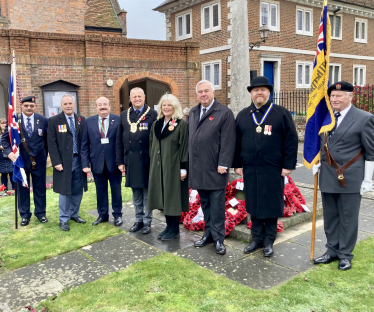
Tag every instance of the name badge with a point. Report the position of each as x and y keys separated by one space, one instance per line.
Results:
x=104 y=140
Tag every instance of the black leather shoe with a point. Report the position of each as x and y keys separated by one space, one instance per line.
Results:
x=220 y=248
x=100 y=220
x=252 y=247
x=137 y=226
x=25 y=221
x=324 y=259
x=78 y=219
x=118 y=221
x=146 y=229
x=204 y=241
x=345 y=264
x=268 y=250
x=43 y=219
x=64 y=226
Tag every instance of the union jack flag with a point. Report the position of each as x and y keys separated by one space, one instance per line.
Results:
x=19 y=175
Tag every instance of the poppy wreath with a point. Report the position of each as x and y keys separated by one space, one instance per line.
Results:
x=233 y=189
x=241 y=213
x=294 y=199
x=280 y=226
x=188 y=220
x=191 y=206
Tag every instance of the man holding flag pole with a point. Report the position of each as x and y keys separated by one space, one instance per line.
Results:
x=347 y=158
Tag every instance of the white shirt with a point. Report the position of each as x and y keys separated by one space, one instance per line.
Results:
x=207 y=108
x=24 y=117
x=106 y=124
x=68 y=119
x=342 y=115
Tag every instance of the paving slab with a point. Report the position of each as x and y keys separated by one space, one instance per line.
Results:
x=74 y=268
x=126 y=211
x=368 y=210
x=305 y=239
x=366 y=223
x=4 y=307
x=292 y=256
x=27 y=286
x=118 y=252
x=256 y=273
x=207 y=257
x=159 y=215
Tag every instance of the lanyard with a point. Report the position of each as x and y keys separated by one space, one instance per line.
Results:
x=263 y=117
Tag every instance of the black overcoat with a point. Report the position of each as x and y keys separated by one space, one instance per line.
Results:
x=263 y=157
x=60 y=147
x=132 y=149
x=211 y=144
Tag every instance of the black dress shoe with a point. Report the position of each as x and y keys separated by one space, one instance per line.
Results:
x=252 y=247
x=78 y=219
x=118 y=221
x=146 y=228
x=268 y=250
x=100 y=220
x=43 y=219
x=220 y=248
x=64 y=226
x=204 y=241
x=345 y=264
x=324 y=259
x=25 y=221
x=137 y=226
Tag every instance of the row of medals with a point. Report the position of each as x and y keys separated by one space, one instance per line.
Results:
x=267 y=129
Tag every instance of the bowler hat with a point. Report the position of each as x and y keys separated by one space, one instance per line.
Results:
x=260 y=81
x=340 y=86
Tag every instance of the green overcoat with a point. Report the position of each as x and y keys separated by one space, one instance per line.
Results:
x=168 y=151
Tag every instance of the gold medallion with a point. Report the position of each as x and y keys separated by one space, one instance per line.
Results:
x=171 y=128
x=133 y=127
x=258 y=129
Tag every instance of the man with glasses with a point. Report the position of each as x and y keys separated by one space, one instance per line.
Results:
x=34 y=151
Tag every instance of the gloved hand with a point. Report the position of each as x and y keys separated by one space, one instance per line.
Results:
x=367 y=184
x=315 y=168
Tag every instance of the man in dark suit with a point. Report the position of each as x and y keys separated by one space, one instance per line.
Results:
x=132 y=155
x=34 y=154
x=65 y=133
x=350 y=147
x=211 y=150
x=99 y=149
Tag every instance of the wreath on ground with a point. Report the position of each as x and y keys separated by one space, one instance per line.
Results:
x=280 y=226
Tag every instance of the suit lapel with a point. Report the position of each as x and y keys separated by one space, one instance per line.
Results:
x=77 y=124
x=110 y=125
x=213 y=108
x=343 y=127
x=96 y=125
x=63 y=121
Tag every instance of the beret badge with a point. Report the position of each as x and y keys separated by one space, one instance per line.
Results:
x=338 y=86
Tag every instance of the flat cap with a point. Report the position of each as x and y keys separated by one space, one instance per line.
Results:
x=340 y=86
x=30 y=98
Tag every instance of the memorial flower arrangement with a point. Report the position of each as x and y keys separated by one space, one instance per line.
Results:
x=280 y=226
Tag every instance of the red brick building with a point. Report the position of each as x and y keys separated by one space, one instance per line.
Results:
x=80 y=47
x=288 y=54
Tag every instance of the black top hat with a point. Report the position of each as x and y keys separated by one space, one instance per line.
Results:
x=340 y=86
x=260 y=81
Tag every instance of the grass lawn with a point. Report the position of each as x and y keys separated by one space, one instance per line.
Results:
x=37 y=241
x=170 y=283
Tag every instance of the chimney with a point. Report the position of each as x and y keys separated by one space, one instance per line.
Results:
x=122 y=17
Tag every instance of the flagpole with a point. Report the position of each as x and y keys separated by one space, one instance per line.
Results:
x=15 y=207
x=314 y=217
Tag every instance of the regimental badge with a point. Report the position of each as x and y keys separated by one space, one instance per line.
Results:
x=37 y=121
x=40 y=132
x=338 y=86
x=112 y=122
x=32 y=99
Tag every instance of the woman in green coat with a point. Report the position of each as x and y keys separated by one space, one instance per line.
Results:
x=168 y=144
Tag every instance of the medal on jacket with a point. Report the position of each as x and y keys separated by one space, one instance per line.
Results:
x=259 y=128
x=134 y=126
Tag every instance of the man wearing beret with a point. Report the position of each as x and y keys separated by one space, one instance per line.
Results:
x=265 y=153
x=347 y=165
x=34 y=153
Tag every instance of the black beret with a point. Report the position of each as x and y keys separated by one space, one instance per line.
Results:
x=340 y=86
x=30 y=98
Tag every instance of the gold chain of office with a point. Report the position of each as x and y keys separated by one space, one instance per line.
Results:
x=134 y=125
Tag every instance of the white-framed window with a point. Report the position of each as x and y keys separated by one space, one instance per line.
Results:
x=336 y=21
x=211 y=71
x=183 y=25
x=359 y=75
x=334 y=73
x=361 y=30
x=210 y=17
x=303 y=74
x=269 y=14
x=304 y=21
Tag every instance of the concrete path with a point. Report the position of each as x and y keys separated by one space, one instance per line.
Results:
x=37 y=282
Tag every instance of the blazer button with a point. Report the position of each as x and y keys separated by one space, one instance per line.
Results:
x=68 y=137
x=140 y=141
x=130 y=152
x=158 y=152
x=129 y=141
x=337 y=151
x=140 y=152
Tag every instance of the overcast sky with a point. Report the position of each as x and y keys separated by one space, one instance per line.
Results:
x=142 y=22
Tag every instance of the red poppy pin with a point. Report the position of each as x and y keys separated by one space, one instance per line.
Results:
x=173 y=122
x=79 y=120
x=211 y=118
x=143 y=118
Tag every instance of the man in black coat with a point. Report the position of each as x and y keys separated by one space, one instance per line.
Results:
x=211 y=150
x=33 y=129
x=266 y=152
x=99 y=149
x=132 y=155
x=65 y=133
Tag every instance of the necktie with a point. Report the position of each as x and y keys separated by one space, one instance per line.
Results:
x=72 y=128
x=103 y=127
x=204 y=111
x=137 y=112
x=29 y=127
x=336 y=115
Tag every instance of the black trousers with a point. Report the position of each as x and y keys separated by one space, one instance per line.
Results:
x=101 y=182
x=264 y=230
x=213 y=206
x=4 y=180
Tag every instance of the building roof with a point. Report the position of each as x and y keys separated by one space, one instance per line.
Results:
x=102 y=13
x=365 y=3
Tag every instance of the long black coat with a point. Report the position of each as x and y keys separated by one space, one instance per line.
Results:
x=60 y=147
x=263 y=157
x=132 y=149
x=211 y=144
x=5 y=162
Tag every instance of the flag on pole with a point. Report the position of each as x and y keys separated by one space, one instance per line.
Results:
x=320 y=117
x=19 y=175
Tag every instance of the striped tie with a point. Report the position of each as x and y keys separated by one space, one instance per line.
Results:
x=72 y=128
x=29 y=127
x=103 y=127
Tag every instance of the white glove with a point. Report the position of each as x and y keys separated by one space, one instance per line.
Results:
x=315 y=168
x=367 y=184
